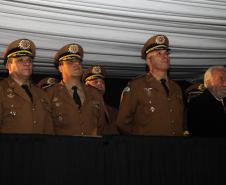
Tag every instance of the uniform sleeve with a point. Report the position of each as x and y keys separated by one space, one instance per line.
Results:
x=127 y=110
x=49 y=127
x=101 y=119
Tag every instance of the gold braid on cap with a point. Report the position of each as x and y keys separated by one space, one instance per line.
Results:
x=69 y=57
x=92 y=77
x=158 y=46
x=20 y=53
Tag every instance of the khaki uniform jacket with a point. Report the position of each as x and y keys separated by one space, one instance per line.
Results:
x=69 y=119
x=146 y=110
x=110 y=120
x=17 y=112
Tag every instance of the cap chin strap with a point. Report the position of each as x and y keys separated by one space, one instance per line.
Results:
x=156 y=47
x=20 y=53
x=70 y=57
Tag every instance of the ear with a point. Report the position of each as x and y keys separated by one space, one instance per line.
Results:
x=208 y=83
x=148 y=60
x=148 y=63
x=8 y=64
x=60 y=68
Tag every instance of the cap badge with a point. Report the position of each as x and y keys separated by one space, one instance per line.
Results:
x=73 y=48
x=24 y=44
x=96 y=70
x=51 y=81
x=160 y=39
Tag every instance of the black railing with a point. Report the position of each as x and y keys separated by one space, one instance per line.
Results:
x=112 y=160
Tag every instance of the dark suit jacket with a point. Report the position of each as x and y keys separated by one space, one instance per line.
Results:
x=206 y=116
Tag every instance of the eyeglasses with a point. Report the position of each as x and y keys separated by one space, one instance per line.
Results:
x=21 y=60
x=70 y=62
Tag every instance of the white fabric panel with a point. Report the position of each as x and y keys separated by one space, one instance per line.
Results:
x=112 y=32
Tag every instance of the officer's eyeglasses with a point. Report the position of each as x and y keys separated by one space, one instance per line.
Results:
x=21 y=60
x=70 y=62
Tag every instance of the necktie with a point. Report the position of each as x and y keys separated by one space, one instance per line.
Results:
x=163 y=82
x=25 y=87
x=76 y=96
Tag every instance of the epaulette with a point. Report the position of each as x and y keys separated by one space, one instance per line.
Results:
x=127 y=88
x=139 y=76
x=195 y=92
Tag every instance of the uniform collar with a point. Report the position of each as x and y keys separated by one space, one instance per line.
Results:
x=15 y=87
x=62 y=83
x=12 y=83
x=150 y=76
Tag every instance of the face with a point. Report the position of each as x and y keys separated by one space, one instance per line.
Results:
x=70 y=69
x=158 y=60
x=98 y=83
x=219 y=83
x=20 y=67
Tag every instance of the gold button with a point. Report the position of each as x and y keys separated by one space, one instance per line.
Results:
x=82 y=133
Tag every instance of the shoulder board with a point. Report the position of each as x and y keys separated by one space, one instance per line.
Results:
x=140 y=76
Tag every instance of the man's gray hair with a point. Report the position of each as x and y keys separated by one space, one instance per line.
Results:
x=209 y=74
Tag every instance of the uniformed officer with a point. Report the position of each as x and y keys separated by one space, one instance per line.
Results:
x=152 y=104
x=24 y=108
x=95 y=76
x=77 y=109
